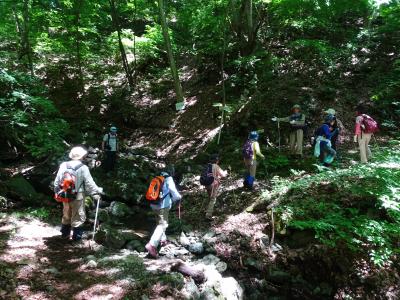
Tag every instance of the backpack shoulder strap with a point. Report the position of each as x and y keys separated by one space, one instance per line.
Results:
x=78 y=166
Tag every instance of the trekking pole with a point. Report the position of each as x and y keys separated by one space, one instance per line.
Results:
x=95 y=218
x=279 y=136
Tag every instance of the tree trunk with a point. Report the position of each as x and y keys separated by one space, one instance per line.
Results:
x=174 y=70
x=115 y=18
x=19 y=30
x=25 y=36
x=77 y=6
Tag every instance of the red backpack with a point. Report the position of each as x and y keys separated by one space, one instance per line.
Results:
x=369 y=125
x=67 y=189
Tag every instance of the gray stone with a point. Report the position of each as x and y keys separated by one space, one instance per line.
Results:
x=135 y=245
x=231 y=289
x=183 y=240
x=115 y=238
x=103 y=215
x=3 y=202
x=196 y=248
x=22 y=188
x=190 y=291
x=91 y=264
x=221 y=266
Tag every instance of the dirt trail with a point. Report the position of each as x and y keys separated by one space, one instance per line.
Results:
x=46 y=267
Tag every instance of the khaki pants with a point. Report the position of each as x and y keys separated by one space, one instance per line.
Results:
x=159 y=232
x=296 y=142
x=251 y=166
x=74 y=212
x=212 y=191
x=363 y=143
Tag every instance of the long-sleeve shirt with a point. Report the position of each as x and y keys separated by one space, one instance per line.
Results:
x=257 y=151
x=324 y=131
x=294 y=120
x=358 y=128
x=218 y=173
x=170 y=195
x=84 y=180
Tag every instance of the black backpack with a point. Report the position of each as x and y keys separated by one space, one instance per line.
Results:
x=207 y=177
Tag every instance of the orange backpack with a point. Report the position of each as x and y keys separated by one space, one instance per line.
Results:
x=155 y=189
x=67 y=191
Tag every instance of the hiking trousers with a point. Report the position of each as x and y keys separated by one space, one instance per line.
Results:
x=212 y=191
x=296 y=141
x=159 y=233
x=363 y=143
x=74 y=212
x=110 y=160
x=251 y=166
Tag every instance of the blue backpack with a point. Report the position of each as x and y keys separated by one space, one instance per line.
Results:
x=207 y=177
x=248 y=150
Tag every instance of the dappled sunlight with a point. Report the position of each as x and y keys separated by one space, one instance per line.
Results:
x=104 y=291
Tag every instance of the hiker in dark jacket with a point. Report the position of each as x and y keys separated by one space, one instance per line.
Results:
x=74 y=215
x=337 y=124
x=162 y=209
x=251 y=150
x=323 y=146
x=110 y=147
x=212 y=189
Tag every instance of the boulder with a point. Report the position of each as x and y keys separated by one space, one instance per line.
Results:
x=135 y=245
x=217 y=287
x=196 y=248
x=183 y=240
x=190 y=291
x=3 y=202
x=115 y=238
x=215 y=262
x=22 y=188
x=119 y=209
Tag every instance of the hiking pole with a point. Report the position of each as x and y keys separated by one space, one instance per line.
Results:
x=279 y=136
x=95 y=217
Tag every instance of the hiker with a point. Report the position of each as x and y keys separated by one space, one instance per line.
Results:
x=211 y=179
x=323 y=145
x=297 y=122
x=75 y=172
x=251 y=150
x=335 y=138
x=165 y=195
x=110 y=146
x=364 y=130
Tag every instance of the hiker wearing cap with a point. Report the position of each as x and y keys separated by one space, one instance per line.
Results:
x=74 y=210
x=364 y=130
x=337 y=124
x=168 y=196
x=251 y=150
x=110 y=146
x=213 y=174
x=323 y=146
x=297 y=121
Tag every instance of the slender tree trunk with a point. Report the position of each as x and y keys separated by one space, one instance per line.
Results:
x=25 y=37
x=115 y=18
x=167 y=41
x=134 y=46
x=223 y=82
x=249 y=15
x=19 y=30
x=77 y=6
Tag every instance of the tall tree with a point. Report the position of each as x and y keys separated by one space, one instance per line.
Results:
x=117 y=25
x=77 y=10
x=168 y=46
x=27 y=49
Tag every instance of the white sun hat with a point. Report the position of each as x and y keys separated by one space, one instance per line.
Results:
x=77 y=153
x=331 y=111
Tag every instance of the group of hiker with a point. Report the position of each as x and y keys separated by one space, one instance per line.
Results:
x=74 y=181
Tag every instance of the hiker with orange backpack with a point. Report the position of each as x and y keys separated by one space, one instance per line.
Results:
x=161 y=195
x=251 y=150
x=364 y=130
x=73 y=182
x=211 y=180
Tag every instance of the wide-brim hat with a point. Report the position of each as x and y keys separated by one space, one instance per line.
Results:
x=330 y=111
x=296 y=106
x=77 y=153
x=113 y=129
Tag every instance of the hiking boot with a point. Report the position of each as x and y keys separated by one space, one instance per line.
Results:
x=77 y=233
x=65 y=231
x=152 y=250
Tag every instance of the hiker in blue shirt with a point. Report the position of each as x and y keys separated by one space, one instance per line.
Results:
x=110 y=146
x=162 y=209
x=323 y=146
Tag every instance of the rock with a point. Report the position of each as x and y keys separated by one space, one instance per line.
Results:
x=212 y=260
x=231 y=289
x=278 y=276
x=91 y=264
x=22 y=188
x=276 y=248
x=216 y=287
x=135 y=245
x=221 y=266
x=183 y=240
x=3 y=202
x=196 y=248
x=190 y=291
x=119 y=209
x=209 y=238
x=90 y=257
x=53 y=271
x=115 y=238
x=103 y=215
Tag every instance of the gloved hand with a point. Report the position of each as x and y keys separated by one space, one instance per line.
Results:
x=355 y=139
x=96 y=197
x=274 y=119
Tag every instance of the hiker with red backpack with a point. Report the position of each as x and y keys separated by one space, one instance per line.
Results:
x=211 y=180
x=364 y=130
x=161 y=195
x=73 y=182
x=251 y=150
x=110 y=147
